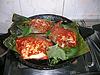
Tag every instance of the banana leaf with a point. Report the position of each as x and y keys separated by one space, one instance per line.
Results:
x=82 y=45
x=20 y=28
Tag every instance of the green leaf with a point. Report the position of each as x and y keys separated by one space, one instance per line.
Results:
x=10 y=42
x=20 y=25
x=56 y=53
x=53 y=61
x=72 y=52
x=48 y=33
x=26 y=30
x=48 y=19
x=20 y=28
x=83 y=46
x=73 y=26
x=17 y=18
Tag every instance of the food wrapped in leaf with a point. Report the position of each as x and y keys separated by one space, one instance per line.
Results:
x=40 y=25
x=32 y=47
x=23 y=25
x=63 y=37
x=61 y=41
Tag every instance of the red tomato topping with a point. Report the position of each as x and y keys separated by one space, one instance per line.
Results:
x=64 y=37
x=30 y=47
x=41 y=25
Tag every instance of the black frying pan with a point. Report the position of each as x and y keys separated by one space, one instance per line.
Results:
x=43 y=64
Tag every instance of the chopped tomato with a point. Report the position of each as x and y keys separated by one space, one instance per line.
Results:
x=41 y=25
x=32 y=48
x=64 y=37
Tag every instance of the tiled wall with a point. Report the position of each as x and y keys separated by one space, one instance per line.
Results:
x=72 y=9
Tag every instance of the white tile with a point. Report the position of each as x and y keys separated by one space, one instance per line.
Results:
x=26 y=8
x=82 y=9
x=7 y=8
x=33 y=7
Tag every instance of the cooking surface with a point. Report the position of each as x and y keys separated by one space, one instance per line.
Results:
x=85 y=64
x=14 y=67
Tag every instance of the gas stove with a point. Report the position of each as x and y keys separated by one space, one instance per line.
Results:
x=85 y=64
x=88 y=64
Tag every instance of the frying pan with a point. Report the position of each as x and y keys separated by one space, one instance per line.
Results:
x=43 y=64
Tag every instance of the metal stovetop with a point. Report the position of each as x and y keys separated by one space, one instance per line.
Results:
x=88 y=64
